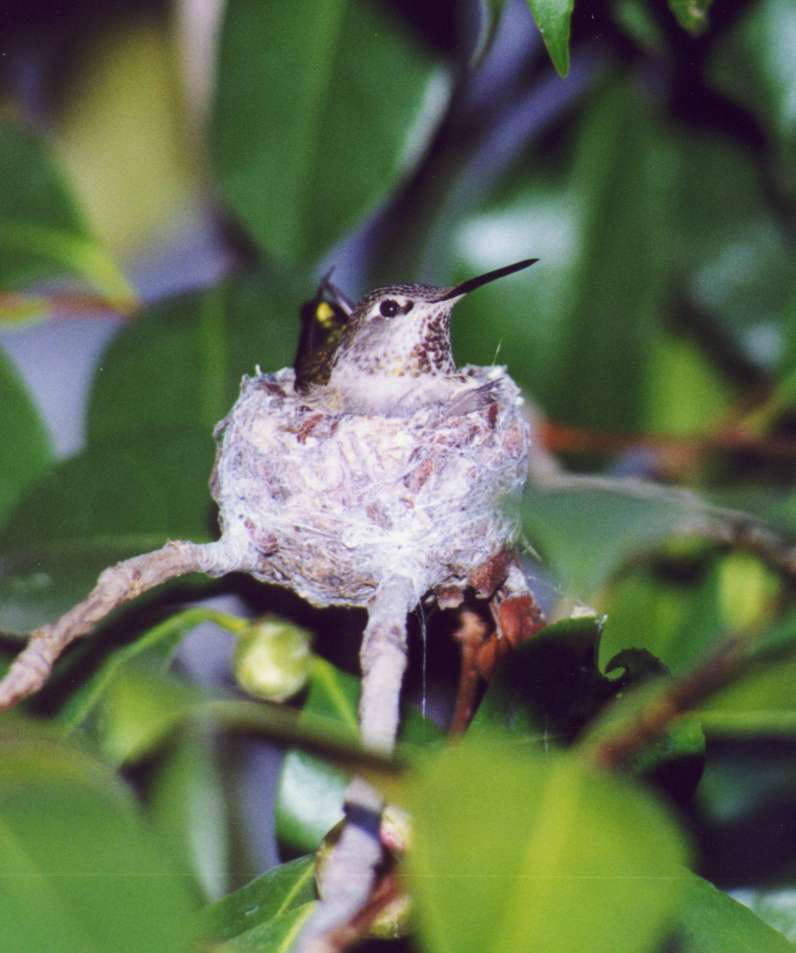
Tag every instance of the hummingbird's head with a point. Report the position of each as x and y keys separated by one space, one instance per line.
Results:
x=404 y=330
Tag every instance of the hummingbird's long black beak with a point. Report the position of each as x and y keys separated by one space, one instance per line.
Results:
x=472 y=283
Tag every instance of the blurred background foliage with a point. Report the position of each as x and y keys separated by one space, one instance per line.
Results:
x=174 y=177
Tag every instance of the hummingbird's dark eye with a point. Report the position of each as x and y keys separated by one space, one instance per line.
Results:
x=389 y=308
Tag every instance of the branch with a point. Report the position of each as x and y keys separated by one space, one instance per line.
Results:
x=350 y=874
x=116 y=585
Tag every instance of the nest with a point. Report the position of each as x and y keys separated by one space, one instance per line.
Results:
x=333 y=504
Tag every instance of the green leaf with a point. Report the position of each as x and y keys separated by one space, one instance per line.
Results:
x=41 y=230
x=712 y=922
x=762 y=701
x=577 y=329
x=311 y=791
x=25 y=449
x=187 y=808
x=692 y=15
x=733 y=257
x=538 y=853
x=587 y=528
x=179 y=365
x=273 y=936
x=552 y=18
x=316 y=110
x=754 y=64
x=106 y=504
x=152 y=651
x=491 y=12
x=285 y=887
x=80 y=871
x=775 y=906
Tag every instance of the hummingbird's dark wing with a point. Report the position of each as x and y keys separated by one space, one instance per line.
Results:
x=323 y=319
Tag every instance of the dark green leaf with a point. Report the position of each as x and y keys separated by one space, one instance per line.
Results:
x=179 y=365
x=538 y=854
x=692 y=15
x=271 y=895
x=552 y=18
x=316 y=108
x=546 y=688
x=754 y=64
x=25 y=448
x=41 y=230
x=712 y=922
x=80 y=871
x=310 y=796
x=106 y=504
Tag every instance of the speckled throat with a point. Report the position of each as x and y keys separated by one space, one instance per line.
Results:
x=403 y=348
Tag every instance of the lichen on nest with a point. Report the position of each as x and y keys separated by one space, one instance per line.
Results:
x=332 y=504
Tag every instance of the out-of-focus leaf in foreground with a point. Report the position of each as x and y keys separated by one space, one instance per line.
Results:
x=514 y=852
x=317 y=105
x=80 y=872
x=42 y=233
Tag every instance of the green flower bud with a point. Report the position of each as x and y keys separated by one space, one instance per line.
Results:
x=273 y=659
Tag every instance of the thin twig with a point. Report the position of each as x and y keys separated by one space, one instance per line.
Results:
x=116 y=585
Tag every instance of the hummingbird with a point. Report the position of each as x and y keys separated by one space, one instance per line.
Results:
x=392 y=354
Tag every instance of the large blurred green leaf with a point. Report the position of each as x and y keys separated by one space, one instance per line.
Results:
x=25 y=448
x=317 y=105
x=533 y=853
x=580 y=341
x=270 y=895
x=712 y=922
x=552 y=18
x=732 y=253
x=587 y=528
x=106 y=504
x=179 y=365
x=41 y=230
x=80 y=872
x=311 y=790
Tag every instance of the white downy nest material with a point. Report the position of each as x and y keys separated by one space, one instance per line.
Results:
x=331 y=504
